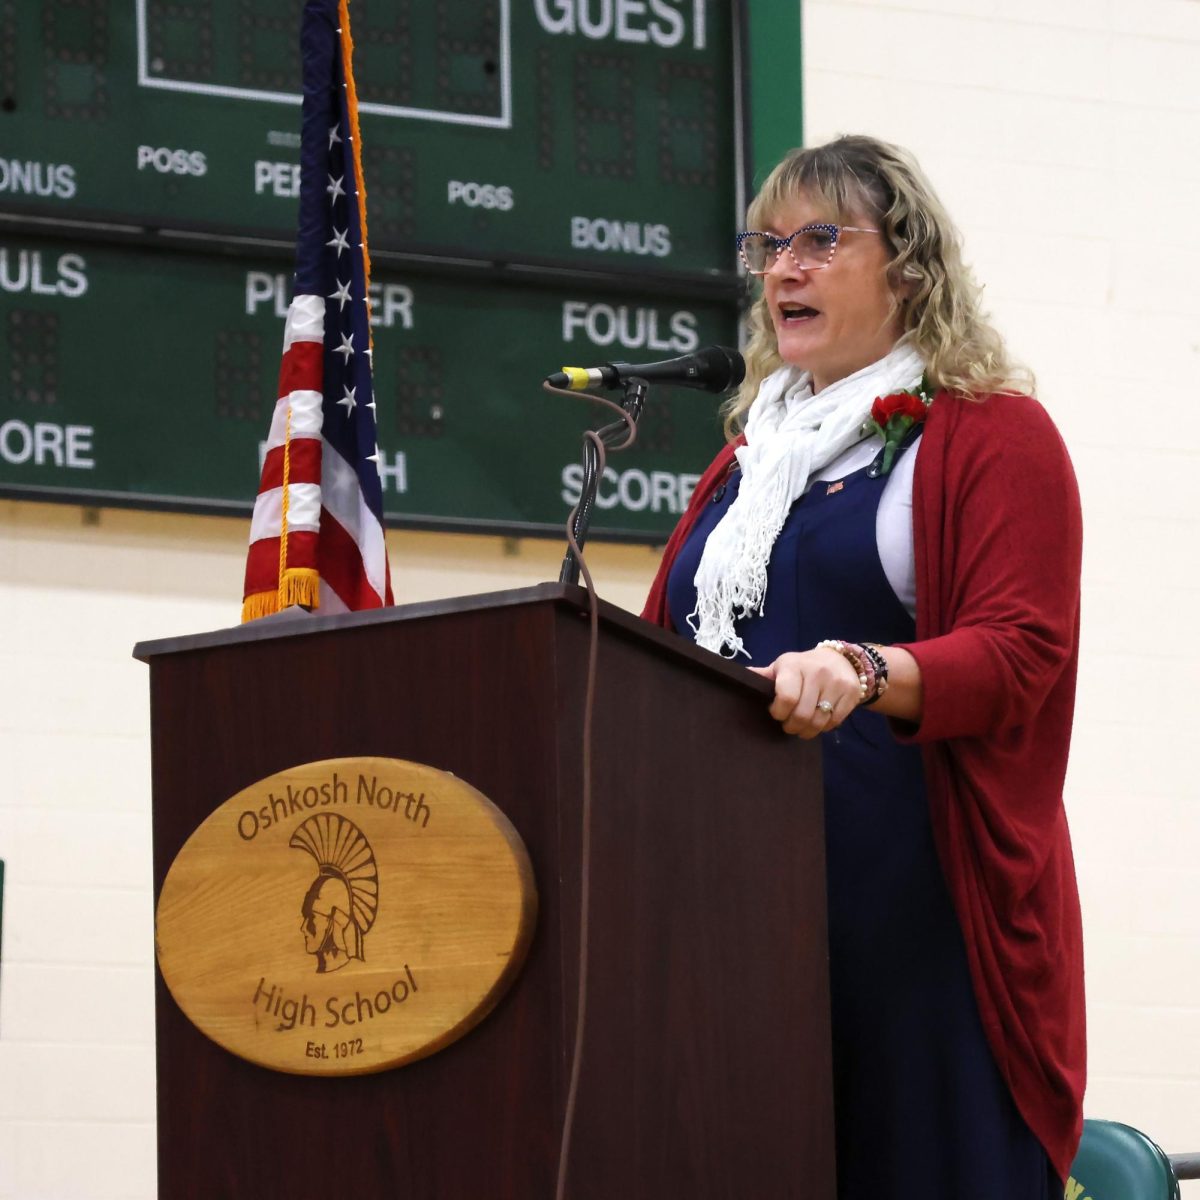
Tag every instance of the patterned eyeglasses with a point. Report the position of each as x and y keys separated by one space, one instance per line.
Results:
x=811 y=247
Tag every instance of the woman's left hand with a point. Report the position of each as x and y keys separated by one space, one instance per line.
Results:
x=815 y=691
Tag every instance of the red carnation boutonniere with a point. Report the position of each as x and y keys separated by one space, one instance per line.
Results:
x=892 y=416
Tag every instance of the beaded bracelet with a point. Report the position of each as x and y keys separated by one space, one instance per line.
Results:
x=854 y=655
x=875 y=654
x=869 y=665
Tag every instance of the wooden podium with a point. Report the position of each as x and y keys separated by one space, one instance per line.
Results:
x=706 y=1069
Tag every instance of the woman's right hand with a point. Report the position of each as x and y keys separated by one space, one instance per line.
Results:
x=805 y=682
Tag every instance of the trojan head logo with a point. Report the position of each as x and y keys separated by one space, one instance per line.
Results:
x=339 y=907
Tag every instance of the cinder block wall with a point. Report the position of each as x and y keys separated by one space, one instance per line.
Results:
x=77 y=590
x=1065 y=137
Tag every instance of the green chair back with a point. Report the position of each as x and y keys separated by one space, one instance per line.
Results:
x=1116 y=1162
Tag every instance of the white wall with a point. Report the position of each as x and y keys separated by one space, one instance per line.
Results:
x=76 y=982
x=1064 y=136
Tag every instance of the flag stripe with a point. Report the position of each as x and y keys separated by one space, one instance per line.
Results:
x=305 y=321
x=344 y=501
x=331 y=602
x=342 y=569
x=302 y=368
x=304 y=467
x=306 y=413
x=304 y=511
x=262 y=562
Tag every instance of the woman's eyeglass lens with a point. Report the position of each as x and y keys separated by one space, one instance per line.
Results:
x=811 y=248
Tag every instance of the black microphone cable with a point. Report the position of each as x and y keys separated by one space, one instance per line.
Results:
x=585 y=870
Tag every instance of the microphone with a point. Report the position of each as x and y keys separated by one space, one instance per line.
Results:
x=712 y=369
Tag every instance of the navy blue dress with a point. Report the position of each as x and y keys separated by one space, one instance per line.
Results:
x=921 y=1109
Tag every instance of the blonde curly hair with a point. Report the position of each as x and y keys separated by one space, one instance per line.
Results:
x=858 y=177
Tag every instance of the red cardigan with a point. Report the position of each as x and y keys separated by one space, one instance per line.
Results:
x=997 y=539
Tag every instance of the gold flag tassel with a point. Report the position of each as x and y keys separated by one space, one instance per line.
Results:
x=261 y=604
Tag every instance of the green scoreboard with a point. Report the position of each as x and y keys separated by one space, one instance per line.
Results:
x=549 y=182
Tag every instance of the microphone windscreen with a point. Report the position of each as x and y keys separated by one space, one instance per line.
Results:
x=720 y=368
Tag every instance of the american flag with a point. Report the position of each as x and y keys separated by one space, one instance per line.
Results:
x=316 y=537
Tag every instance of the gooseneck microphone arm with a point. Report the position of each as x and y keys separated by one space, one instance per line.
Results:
x=710 y=369
x=611 y=435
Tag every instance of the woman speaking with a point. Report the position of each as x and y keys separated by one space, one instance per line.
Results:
x=892 y=536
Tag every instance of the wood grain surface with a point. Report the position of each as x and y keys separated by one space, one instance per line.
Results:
x=706 y=1061
x=345 y=916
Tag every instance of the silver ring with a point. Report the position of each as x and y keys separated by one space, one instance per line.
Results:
x=825 y=706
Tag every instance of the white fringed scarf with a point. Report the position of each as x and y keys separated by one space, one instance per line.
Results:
x=790 y=435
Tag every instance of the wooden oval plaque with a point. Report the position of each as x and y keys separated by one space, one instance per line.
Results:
x=346 y=916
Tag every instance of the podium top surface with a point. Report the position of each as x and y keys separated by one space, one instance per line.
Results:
x=296 y=622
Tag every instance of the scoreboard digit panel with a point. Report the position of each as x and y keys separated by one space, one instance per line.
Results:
x=591 y=133
x=149 y=377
